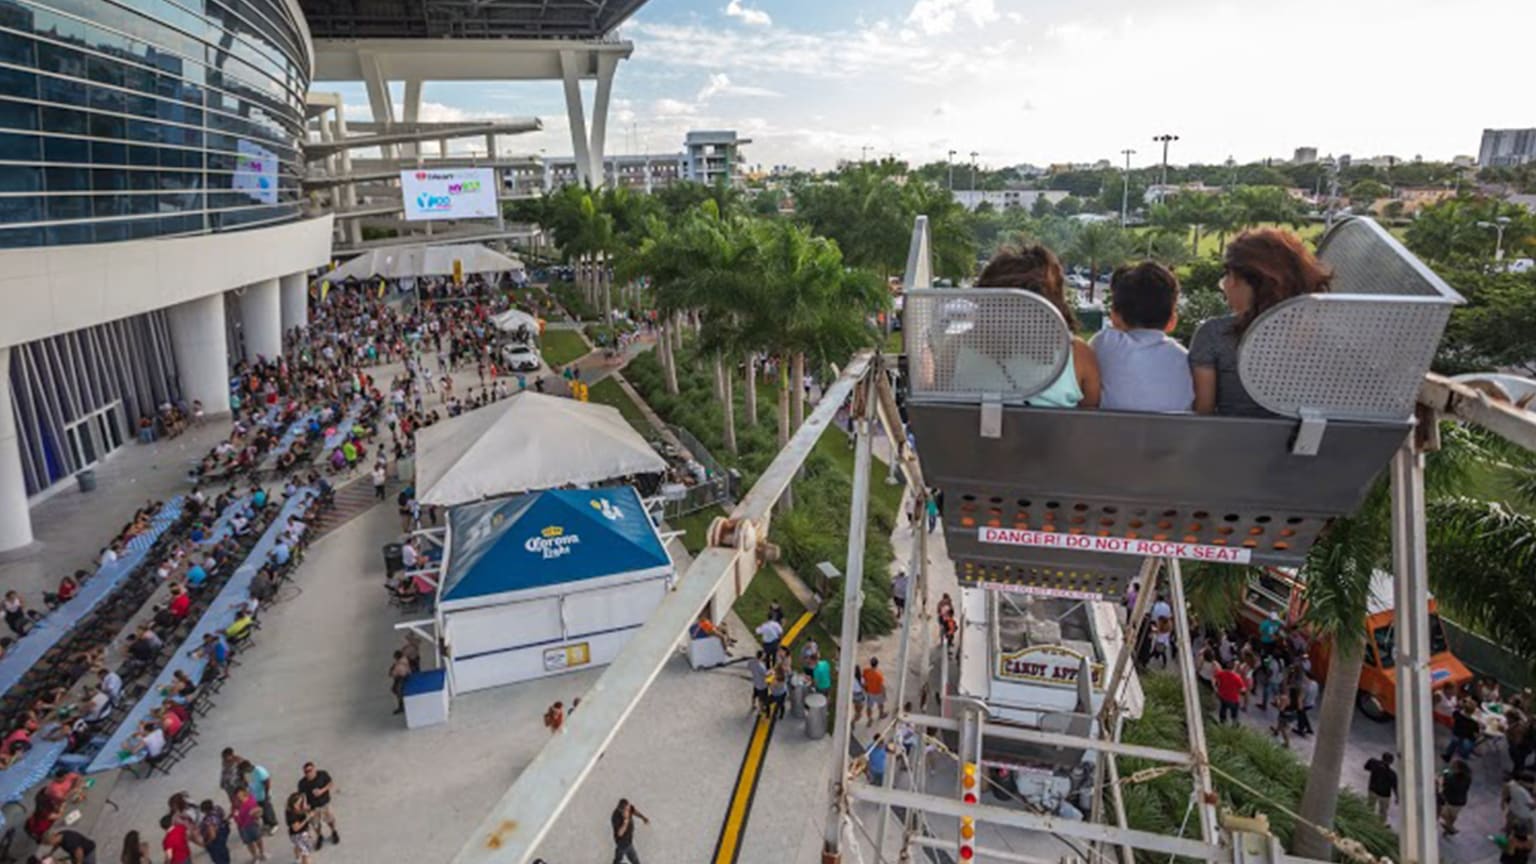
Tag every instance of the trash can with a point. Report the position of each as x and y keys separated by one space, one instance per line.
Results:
x=394 y=559
x=815 y=716
x=405 y=469
x=87 y=480
x=798 y=684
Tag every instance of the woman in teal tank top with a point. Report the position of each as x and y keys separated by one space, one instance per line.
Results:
x=1036 y=269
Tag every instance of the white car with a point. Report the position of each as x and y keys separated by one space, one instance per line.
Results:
x=521 y=358
x=1077 y=281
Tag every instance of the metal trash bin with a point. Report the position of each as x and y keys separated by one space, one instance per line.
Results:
x=798 y=684
x=815 y=716
x=394 y=558
x=86 y=480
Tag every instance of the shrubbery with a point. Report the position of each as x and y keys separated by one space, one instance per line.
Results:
x=816 y=529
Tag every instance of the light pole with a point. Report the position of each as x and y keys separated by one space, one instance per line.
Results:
x=864 y=154
x=950 y=159
x=1498 y=224
x=1165 y=139
x=974 y=154
x=1125 y=194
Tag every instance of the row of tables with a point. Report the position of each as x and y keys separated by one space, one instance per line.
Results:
x=47 y=631
x=216 y=618
x=36 y=764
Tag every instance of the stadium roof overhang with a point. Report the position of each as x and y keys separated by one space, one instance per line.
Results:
x=466 y=19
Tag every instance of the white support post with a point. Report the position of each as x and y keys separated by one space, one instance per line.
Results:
x=914 y=575
x=261 y=314
x=853 y=594
x=294 y=301
x=1418 y=833
x=15 y=514
x=1194 y=718
x=607 y=64
x=570 y=73
x=346 y=193
x=202 y=351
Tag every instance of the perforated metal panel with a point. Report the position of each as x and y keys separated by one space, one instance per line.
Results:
x=1367 y=259
x=1360 y=351
x=1342 y=357
x=963 y=344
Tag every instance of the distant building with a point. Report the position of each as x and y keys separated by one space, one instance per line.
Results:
x=713 y=155
x=641 y=171
x=1157 y=192
x=1304 y=156
x=1003 y=199
x=1506 y=147
x=1464 y=161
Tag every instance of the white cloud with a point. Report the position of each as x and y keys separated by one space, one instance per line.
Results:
x=673 y=108
x=748 y=15
x=937 y=17
x=720 y=83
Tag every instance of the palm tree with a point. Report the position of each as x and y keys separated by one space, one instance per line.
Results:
x=1099 y=243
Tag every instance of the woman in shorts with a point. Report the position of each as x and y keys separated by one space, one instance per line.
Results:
x=297 y=818
x=247 y=816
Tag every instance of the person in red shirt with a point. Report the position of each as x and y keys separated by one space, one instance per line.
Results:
x=874 y=689
x=176 y=845
x=181 y=602
x=1229 y=690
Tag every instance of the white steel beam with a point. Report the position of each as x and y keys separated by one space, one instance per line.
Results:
x=1056 y=739
x=607 y=65
x=1194 y=717
x=992 y=814
x=1418 y=838
x=570 y=70
x=516 y=824
x=1445 y=396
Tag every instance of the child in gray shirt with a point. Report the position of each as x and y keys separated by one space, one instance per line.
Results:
x=1141 y=367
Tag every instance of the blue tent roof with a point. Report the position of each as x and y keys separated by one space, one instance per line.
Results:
x=549 y=538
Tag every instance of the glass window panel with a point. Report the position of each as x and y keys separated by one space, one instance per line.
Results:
x=107 y=99
x=104 y=70
x=108 y=126
x=61 y=90
x=143 y=179
x=18 y=83
x=15 y=48
x=67 y=206
x=56 y=58
x=16 y=238
x=108 y=232
x=108 y=179
x=109 y=205
x=18 y=115
x=66 y=150
x=67 y=179
x=14 y=178
x=22 y=208
x=143 y=155
x=20 y=148
x=67 y=235
x=64 y=120
x=108 y=153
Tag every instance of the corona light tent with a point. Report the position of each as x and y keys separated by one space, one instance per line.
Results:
x=546 y=582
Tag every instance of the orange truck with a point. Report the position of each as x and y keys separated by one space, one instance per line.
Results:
x=1281 y=593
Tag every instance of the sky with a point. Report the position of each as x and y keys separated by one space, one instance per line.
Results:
x=811 y=82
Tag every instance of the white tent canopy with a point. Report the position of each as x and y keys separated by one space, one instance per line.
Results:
x=530 y=441
x=403 y=262
x=512 y=319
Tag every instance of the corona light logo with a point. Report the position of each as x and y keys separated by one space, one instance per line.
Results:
x=552 y=542
x=421 y=175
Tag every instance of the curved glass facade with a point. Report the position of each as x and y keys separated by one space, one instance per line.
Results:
x=126 y=119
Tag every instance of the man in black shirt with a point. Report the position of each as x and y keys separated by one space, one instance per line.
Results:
x=624 y=817
x=317 y=787
x=1382 y=787
x=79 y=848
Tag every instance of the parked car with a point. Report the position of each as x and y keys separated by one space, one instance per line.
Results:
x=521 y=358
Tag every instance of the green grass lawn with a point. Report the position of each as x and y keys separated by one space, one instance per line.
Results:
x=695 y=525
x=893 y=342
x=883 y=496
x=608 y=392
x=560 y=347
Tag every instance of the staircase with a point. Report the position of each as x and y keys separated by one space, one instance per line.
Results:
x=352 y=499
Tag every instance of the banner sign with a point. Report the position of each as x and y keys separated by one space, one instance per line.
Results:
x=1047 y=664
x=255 y=172
x=1115 y=545
x=567 y=656
x=1040 y=590
x=456 y=193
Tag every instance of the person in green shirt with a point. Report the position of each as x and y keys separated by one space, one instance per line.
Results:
x=821 y=676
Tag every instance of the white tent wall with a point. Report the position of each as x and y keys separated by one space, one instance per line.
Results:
x=401 y=262
x=597 y=624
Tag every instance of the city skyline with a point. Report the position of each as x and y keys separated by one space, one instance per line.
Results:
x=813 y=84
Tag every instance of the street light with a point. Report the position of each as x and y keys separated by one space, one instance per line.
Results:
x=1498 y=224
x=864 y=153
x=974 y=154
x=1165 y=139
x=1125 y=195
x=950 y=160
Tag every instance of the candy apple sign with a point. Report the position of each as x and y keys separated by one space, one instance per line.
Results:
x=457 y=193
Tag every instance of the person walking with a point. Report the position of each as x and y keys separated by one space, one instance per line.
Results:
x=899 y=593
x=229 y=774
x=298 y=818
x=1455 y=784
x=1308 y=702
x=874 y=690
x=77 y=848
x=258 y=782
x=213 y=830
x=778 y=690
x=317 y=787
x=758 y=669
x=399 y=670
x=623 y=820
x=1230 y=687
x=1464 y=731
x=380 y=477
x=135 y=850
x=1382 y=786
x=247 y=816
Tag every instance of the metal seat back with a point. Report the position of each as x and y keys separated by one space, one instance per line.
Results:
x=1360 y=351
x=975 y=344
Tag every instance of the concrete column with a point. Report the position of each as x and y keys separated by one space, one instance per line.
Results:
x=411 y=113
x=379 y=101
x=202 y=354
x=15 y=515
x=570 y=71
x=295 y=301
x=346 y=194
x=261 y=311
x=607 y=64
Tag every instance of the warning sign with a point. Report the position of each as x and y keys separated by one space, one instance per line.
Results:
x=1115 y=545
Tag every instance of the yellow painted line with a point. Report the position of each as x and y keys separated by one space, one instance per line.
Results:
x=728 y=847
